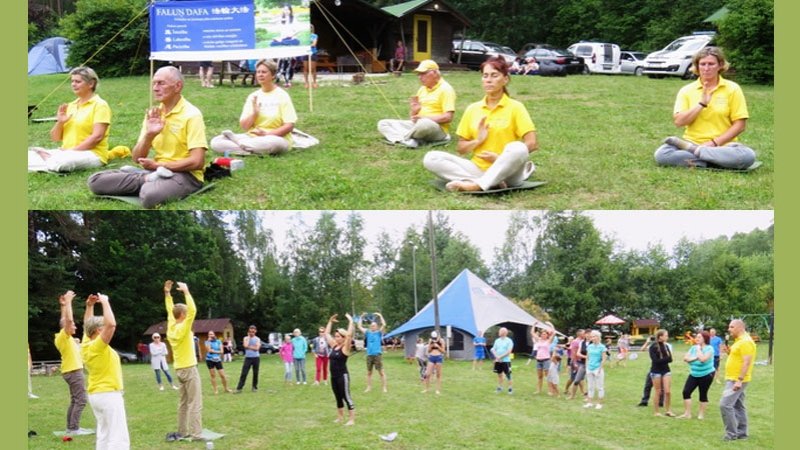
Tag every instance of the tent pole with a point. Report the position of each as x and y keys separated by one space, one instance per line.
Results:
x=434 y=282
x=310 y=85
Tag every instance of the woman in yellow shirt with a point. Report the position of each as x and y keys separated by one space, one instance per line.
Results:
x=714 y=112
x=82 y=127
x=499 y=134
x=105 y=376
x=268 y=116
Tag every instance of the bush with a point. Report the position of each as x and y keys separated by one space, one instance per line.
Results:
x=93 y=27
x=748 y=35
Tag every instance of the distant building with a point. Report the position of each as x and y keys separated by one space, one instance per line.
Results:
x=222 y=327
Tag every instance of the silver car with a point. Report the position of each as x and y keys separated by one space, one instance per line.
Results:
x=632 y=62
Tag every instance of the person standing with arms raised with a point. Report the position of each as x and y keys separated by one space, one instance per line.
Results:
x=71 y=366
x=180 y=318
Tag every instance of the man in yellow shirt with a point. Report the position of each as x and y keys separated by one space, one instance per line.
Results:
x=180 y=318
x=738 y=372
x=71 y=366
x=431 y=111
x=176 y=132
x=105 y=376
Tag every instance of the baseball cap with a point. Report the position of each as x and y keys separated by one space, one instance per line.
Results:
x=427 y=65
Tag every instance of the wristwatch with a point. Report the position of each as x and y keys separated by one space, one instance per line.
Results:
x=740 y=378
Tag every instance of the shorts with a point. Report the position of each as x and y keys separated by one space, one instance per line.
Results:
x=480 y=353
x=502 y=367
x=206 y=64
x=580 y=374
x=716 y=363
x=654 y=375
x=214 y=365
x=543 y=364
x=375 y=361
x=435 y=359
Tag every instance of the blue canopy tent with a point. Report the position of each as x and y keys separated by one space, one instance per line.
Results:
x=49 y=56
x=468 y=304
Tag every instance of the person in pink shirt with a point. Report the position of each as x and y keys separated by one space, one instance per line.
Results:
x=286 y=351
x=541 y=348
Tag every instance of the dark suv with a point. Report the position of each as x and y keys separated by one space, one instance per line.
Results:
x=474 y=53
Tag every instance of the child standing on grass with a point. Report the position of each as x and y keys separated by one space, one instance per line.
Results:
x=286 y=351
x=553 y=376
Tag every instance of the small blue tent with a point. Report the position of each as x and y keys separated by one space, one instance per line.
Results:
x=468 y=305
x=48 y=56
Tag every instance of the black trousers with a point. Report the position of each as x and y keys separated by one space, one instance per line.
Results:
x=248 y=363
x=648 y=386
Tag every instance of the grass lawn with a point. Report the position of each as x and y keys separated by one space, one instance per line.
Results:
x=468 y=414
x=597 y=136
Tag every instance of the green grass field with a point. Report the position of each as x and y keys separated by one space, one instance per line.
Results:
x=597 y=137
x=467 y=415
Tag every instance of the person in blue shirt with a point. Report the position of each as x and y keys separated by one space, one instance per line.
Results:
x=374 y=339
x=701 y=374
x=502 y=350
x=479 y=342
x=214 y=362
x=595 y=360
x=300 y=345
x=252 y=346
x=715 y=344
x=310 y=64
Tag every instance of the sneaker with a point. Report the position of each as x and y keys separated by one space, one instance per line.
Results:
x=84 y=431
x=238 y=391
x=642 y=404
x=499 y=389
x=255 y=389
x=161 y=388
x=297 y=382
x=728 y=438
x=437 y=392
x=304 y=382
x=316 y=383
x=510 y=391
x=598 y=406
x=588 y=405
x=174 y=387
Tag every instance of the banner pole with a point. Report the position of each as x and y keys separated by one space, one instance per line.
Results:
x=310 y=85
x=150 y=85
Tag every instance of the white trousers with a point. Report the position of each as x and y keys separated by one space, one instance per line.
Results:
x=596 y=380
x=243 y=144
x=62 y=160
x=112 y=425
x=425 y=130
x=512 y=166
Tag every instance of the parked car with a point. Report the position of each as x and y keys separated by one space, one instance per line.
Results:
x=632 y=62
x=530 y=46
x=126 y=357
x=598 y=57
x=571 y=63
x=676 y=58
x=474 y=53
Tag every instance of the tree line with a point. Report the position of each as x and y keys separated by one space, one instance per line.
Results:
x=556 y=265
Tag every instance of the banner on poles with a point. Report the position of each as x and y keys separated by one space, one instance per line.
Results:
x=219 y=30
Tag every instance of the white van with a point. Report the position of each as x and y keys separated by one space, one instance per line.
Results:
x=676 y=58
x=599 y=57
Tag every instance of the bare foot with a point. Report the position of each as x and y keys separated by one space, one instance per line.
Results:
x=350 y=422
x=462 y=186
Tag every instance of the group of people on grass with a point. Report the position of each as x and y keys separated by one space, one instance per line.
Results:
x=586 y=358
x=495 y=134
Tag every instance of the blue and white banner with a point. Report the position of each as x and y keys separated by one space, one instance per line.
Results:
x=219 y=30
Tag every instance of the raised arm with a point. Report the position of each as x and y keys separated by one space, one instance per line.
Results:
x=328 y=337
x=65 y=301
x=383 y=322
x=348 y=340
x=192 y=308
x=109 y=322
x=90 y=301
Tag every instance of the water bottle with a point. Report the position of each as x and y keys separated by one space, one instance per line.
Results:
x=209 y=445
x=236 y=164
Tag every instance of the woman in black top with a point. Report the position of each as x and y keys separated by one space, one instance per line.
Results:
x=339 y=344
x=660 y=357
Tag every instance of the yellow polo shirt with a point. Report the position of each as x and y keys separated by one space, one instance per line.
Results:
x=508 y=122
x=727 y=105
x=743 y=346
x=81 y=124
x=275 y=108
x=184 y=129
x=180 y=335
x=102 y=363
x=70 y=352
x=437 y=100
